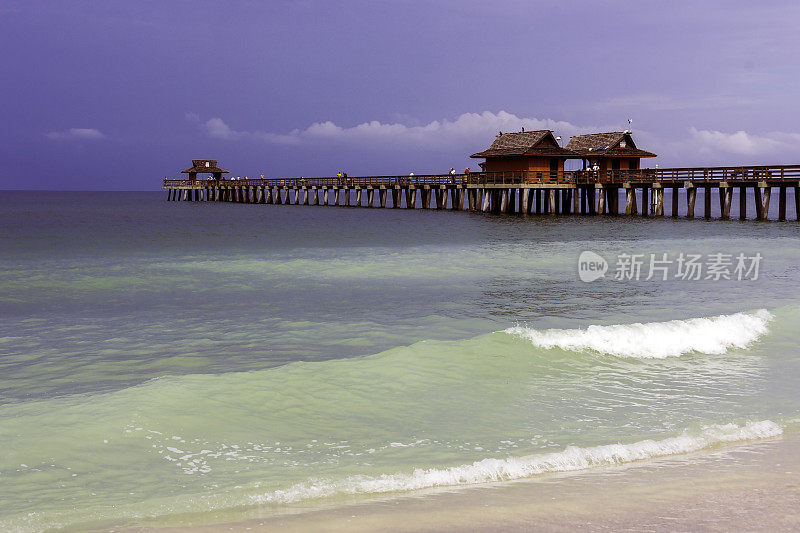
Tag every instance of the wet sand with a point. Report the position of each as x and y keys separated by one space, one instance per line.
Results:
x=747 y=487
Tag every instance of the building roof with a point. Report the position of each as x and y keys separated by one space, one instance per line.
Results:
x=539 y=142
x=606 y=145
x=204 y=166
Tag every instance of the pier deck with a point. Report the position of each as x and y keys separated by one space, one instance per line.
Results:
x=616 y=192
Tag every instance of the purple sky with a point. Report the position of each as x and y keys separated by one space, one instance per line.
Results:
x=117 y=94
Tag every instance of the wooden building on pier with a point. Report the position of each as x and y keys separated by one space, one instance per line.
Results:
x=607 y=151
x=531 y=151
x=204 y=166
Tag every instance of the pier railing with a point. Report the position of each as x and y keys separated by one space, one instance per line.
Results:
x=579 y=177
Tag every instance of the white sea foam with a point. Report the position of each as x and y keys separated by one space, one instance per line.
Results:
x=492 y=470
x=712 y=335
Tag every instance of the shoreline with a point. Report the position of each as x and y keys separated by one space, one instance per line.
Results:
x=747 y=486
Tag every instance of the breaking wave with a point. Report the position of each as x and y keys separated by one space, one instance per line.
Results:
x=492 y=470
x=712 y=335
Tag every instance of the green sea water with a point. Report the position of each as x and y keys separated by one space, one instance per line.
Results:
x=164 y=363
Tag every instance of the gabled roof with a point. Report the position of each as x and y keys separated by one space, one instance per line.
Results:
x=606 y=145
x=204 y=166
x=539 y=142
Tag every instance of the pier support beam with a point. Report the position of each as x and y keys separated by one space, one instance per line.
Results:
x=523 y=202
x=631 y=208
x=576 y=201
x=765 y=210
x=529 y=207
x=796 y=203
x=382 y=197
x=675 y=201
x=782 y=203
x=759 y=202
x=601 y=202
x=725 y=197
x=504 y=201
x=395 y=198
x=426 y=198
x=707 y=202
x=742 y=203
x=455 y=199
x=358 y=197
x=441 y=199
x=411 y=198
x=691 y=196
x=485 y=201
x=660 y=202
x=645 y=201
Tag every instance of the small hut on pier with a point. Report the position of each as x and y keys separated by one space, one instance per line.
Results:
x=204 y=166
x=536 y=151
x=609 y=151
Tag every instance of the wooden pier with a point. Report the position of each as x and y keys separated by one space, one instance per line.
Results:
x=607 y=192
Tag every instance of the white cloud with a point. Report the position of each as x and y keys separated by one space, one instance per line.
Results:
x=217 y=129
x=90 y=134
x=703 y=147
x=742 y=143
x=467 y=128
x=474 y=131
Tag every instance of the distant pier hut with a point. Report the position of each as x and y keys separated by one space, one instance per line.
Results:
x=525 y=153
x=198 y=193
x=204 y=166
x=608 y=151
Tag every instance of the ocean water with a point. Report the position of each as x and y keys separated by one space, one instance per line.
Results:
x=165 y=363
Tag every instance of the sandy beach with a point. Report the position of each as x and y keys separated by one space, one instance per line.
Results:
x=747 y=487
